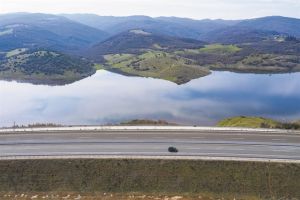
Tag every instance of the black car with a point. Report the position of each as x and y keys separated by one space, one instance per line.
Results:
x=173 y=149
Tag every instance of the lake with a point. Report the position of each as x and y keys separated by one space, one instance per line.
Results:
x=111 y=98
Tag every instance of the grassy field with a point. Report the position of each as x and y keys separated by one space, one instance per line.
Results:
x=219 y=179
x=220 y=49
x=157 y=64
x=15 y=52
x=98 y=66
x=211 y=49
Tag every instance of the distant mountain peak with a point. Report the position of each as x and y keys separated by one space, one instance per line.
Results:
x=32 y=30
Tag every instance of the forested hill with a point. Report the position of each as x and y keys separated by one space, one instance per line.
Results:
x=44 y=67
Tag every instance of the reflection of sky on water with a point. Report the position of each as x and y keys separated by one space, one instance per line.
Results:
x=109 y=98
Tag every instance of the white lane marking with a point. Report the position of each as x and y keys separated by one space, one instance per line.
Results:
x=194 y=148
x=243 y=154
x=281 y=150
x=160 y=157
x=198 y=137
x=238 y=138
x=202 y=148
x=122 y=137
x=31 y=148
x=159 y=137
x=86 y=137
x=149 y=153
x=218 y=148
x=275 y=139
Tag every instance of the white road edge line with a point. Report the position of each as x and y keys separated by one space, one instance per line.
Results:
x=152 y=157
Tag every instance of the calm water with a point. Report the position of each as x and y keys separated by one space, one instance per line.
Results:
x=110 y=98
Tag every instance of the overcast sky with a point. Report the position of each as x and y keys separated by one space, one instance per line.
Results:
x=198 y=9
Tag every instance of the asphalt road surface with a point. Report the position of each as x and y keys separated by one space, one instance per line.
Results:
x=218 y=144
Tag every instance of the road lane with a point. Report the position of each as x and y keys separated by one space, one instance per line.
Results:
x=153 y=143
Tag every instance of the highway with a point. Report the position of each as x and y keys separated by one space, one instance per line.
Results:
x=191 y=143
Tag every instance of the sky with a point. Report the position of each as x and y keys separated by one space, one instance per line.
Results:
x=197 y=9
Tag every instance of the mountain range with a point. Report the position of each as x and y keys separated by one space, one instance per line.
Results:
x=187 y=28
x=74 y=32
x=137 y=45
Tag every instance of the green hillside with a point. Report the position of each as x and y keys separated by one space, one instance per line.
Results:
x=263 y=57
x=249 y=122
x=258 y=122
x=156 y=64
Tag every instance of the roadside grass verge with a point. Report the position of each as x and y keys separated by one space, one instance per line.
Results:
x=258 y=180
